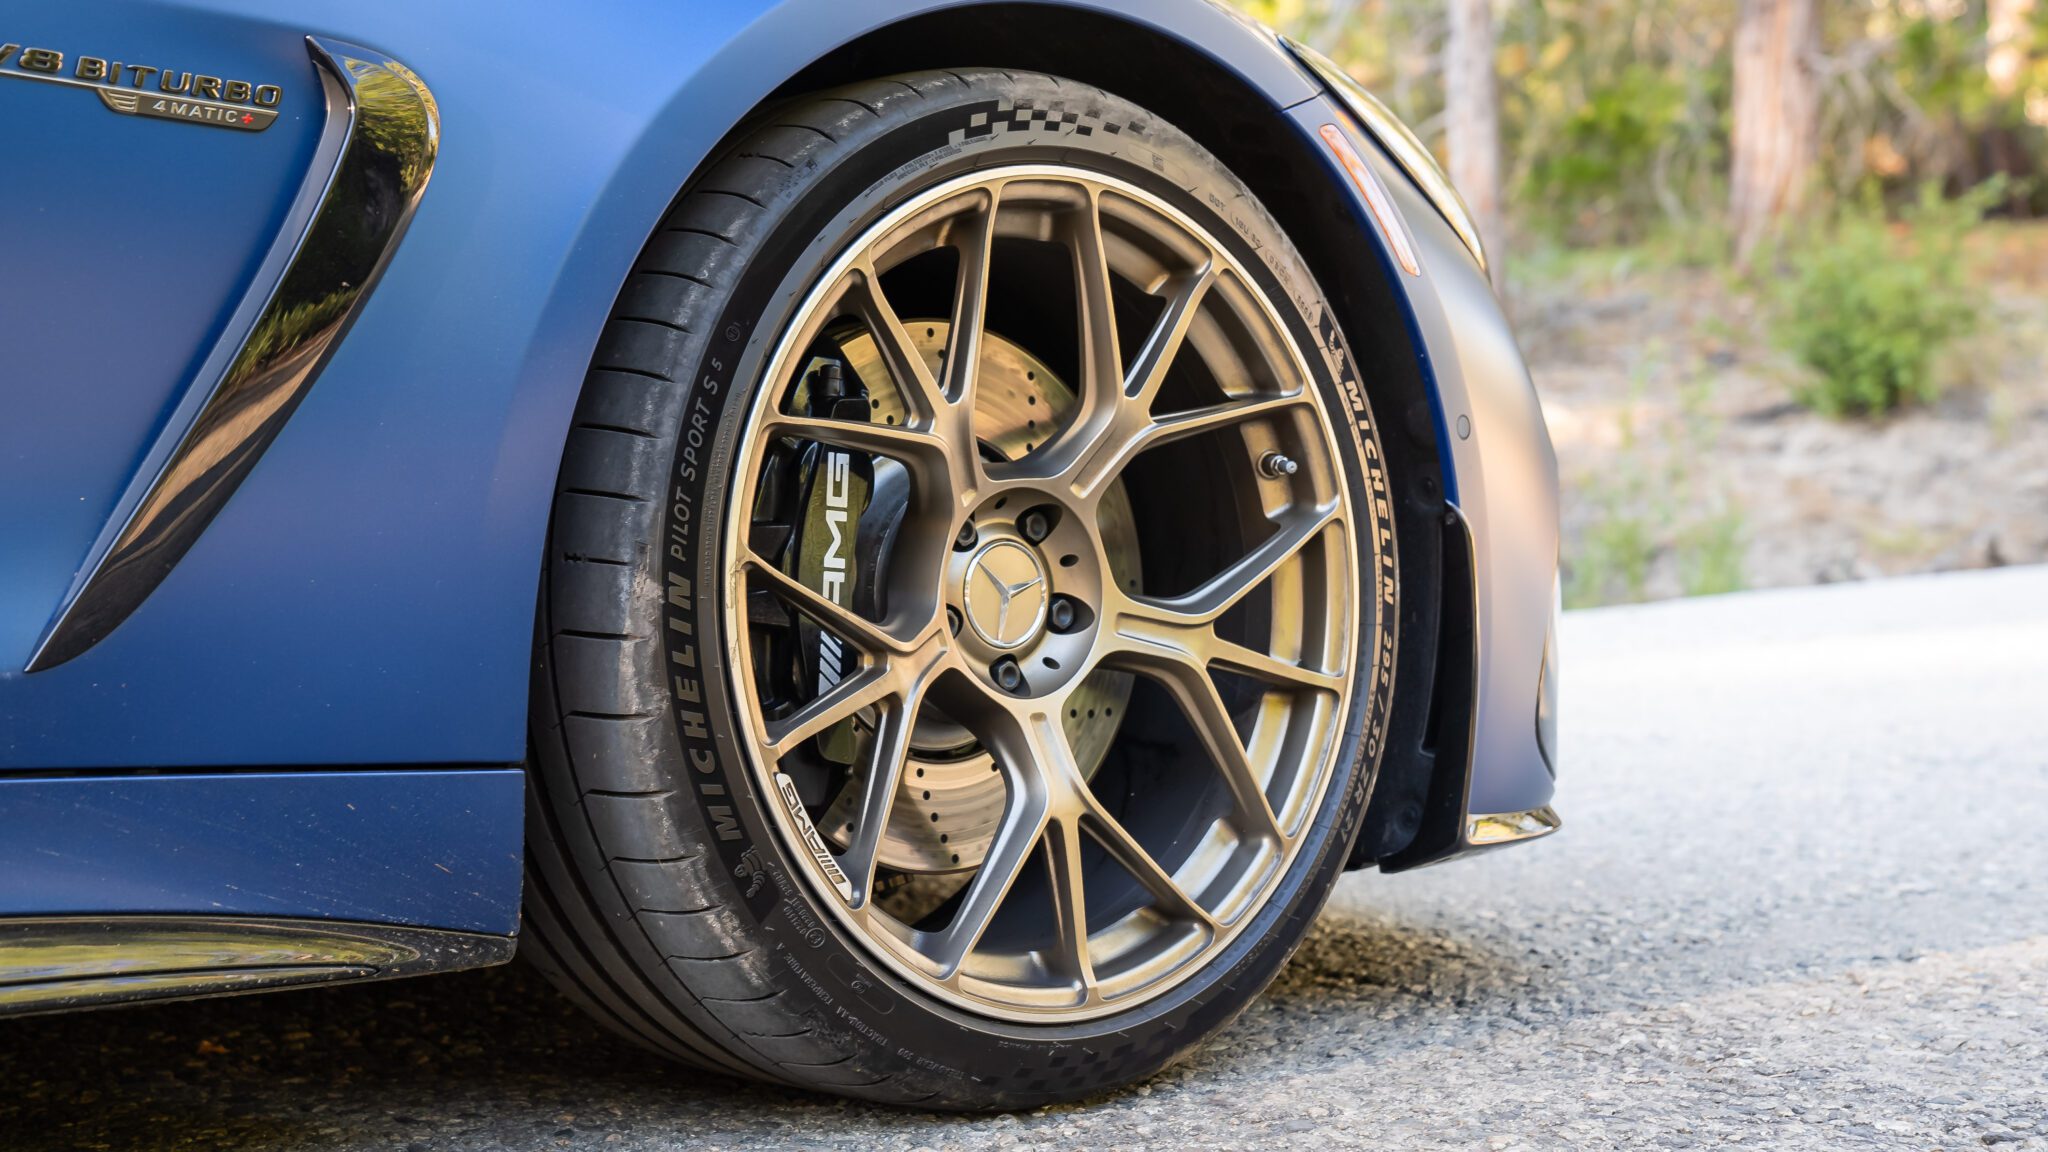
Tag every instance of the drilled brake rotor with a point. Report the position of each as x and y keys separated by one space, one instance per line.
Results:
x=951 y=801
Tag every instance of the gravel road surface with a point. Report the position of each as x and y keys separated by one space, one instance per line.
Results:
x=1799 y=901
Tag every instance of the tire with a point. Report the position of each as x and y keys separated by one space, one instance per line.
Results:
x=665 y=892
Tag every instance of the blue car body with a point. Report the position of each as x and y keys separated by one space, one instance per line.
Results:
x=317 y=711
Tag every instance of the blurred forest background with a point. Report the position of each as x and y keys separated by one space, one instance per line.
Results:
x=1780 y=267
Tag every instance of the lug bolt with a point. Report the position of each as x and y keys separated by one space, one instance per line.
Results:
x=967 y=537
x=1061 y=615
x=1035 y=526
x=952 y=620
x=1274 y=466
x=1008 y=676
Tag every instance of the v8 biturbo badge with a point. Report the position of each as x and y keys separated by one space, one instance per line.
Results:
x=146 y=90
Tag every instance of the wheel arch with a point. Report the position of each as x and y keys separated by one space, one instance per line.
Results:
x=1227 y=84
x=770 y=286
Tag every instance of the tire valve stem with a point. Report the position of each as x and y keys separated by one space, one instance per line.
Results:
x=832 y=381
x=834 y=395
x=1275 y=466
x=1008 y=676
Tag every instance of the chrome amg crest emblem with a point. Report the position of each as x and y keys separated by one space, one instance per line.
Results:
x=1006 y=594
x=147 y=90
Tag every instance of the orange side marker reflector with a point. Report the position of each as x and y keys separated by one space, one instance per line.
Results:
x=1377 y=198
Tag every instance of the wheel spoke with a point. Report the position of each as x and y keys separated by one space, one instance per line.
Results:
x=891 y=751
x=864 y=689
x=1114 y=424
x=948 y=465
x=1146 y=632
x=950 y=403
x=899 y=352
x=1102 y=361
x=1163 y=347
x=1062 y=843
x=941 y=475
x=1196 y=693
x=1294 y=531
x=976 y=242
x=907 y=445
x=1176 y=655
x=1196 y=421
x=1024 y=823
x=1263 y=666
x=824 y=611
x=1039 y=769
x=1173 y=900
x=1115 y=429
x=1113 y=451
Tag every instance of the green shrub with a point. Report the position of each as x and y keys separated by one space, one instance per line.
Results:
x=1710 y=555
x=1869 y=303
x=1596 y=182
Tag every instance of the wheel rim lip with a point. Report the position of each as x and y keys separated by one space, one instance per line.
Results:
x=1358 y=681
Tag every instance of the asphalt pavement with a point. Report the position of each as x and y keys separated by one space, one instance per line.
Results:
x=1799 y=901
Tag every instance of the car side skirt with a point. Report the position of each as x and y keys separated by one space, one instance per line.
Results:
x=53 y=964
x=431 y=849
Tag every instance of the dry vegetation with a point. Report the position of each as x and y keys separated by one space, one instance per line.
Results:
x=1689 y=469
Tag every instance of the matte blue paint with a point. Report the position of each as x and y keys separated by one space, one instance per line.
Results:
x=436 y=849
x=126 y=242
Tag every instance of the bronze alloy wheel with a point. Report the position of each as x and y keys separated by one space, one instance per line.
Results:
x=968 y=633
x=939 y=742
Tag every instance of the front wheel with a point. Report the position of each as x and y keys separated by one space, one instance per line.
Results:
x=968 y=616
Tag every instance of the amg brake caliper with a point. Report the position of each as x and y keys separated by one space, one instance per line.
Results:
x=827 y=517
x=823 y=555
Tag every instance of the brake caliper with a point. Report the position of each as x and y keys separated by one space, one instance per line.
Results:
x=824 y=555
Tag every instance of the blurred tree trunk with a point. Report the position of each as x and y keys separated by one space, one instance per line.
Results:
x=1777 y=115
x=1472 y=122
x=2007 y=39
x=1328 y=31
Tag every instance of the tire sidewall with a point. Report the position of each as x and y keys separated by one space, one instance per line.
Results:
x=958 y=1057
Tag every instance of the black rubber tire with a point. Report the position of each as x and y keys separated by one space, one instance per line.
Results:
x=659 y=894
